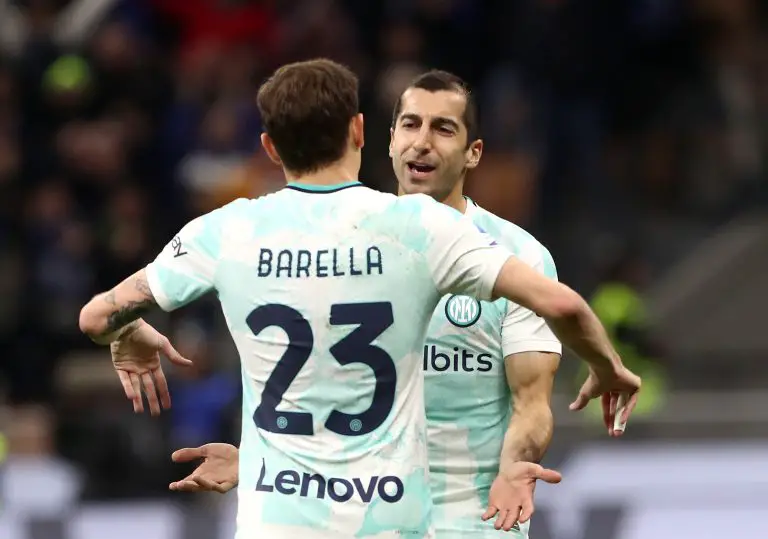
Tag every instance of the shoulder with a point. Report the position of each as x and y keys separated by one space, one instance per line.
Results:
x=410 y=213
x=419 y=204
x=518 y=240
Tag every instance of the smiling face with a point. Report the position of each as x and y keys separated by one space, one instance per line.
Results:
x=428 y=145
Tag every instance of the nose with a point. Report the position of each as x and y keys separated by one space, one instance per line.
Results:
x=422 y=142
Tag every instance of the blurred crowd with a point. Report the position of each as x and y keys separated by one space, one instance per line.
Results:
x=122 y=119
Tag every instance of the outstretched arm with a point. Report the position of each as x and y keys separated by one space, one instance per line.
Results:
x=566 y=312
x=576 y=325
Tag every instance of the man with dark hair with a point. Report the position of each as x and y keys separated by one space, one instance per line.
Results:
x=479 y=450
x=328 y=288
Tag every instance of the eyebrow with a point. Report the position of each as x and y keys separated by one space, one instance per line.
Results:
x=439 y=120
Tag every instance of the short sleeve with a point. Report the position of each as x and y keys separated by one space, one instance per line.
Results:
x=185 y=269
x=523 y=330
x=462 y=259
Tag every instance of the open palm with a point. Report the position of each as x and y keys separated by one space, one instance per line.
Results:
x=136 y=358
x=511 y=497
x=217 y=473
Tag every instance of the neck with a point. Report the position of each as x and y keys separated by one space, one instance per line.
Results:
x=456 y=201
x=340 y=172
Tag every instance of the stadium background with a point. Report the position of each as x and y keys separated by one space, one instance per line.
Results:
x=630 y=137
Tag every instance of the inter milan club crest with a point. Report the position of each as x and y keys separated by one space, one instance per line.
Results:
x=462 y=311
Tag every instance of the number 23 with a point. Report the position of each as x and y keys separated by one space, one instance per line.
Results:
x=372 y=320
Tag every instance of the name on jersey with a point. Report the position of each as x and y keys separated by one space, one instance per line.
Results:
x=296 y=264
x=389 y=488
x=458 y=360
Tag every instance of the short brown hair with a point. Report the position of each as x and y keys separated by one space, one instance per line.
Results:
x=305 y=109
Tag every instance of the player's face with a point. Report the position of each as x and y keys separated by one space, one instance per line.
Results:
x=428 y=143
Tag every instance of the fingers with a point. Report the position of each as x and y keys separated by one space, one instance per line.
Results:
x=149 y=390
x=226 y=486
x=586 y=393
x=490 y=512
x=510 y=517
x=605 y=401
x=125 y=380
x=581 y=401
x=624 y=406
x=185 y=485
x=527 y=511
x=208 y=485
x=200 y=484
x=188 y=454
x=613 y=403
x=172 y=354
x=549 y=476
x=501 y=516
x=162 y=389
x=138 y=403
x=630 y=406
x=153 y=388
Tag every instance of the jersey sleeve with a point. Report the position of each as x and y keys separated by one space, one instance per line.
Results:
x=185 y=269
x=462 y=259
x=521 y=329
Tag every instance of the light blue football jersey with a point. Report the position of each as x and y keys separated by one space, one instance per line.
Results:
x=328 y=293
x=467 y=395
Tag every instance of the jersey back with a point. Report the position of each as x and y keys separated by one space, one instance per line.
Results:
x=467 y=393
x=327 y=294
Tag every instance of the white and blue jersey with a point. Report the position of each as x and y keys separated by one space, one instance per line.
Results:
x=328 y=293
x=467 y=393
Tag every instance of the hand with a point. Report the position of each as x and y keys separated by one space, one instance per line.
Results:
x=511 y=495
x=136 y=358
x=610 y=384
x=218 y=472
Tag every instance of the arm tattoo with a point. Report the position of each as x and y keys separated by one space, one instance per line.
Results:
x=127 y=313
x=132 y=310
x=110 y=297
x=143 y=286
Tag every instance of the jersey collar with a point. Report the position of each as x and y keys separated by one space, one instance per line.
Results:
x=321 y=189
x=471 y=210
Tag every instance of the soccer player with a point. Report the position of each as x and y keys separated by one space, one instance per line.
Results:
x=327 y=288
x=476 y=354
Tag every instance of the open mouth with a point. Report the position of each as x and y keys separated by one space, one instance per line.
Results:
x=420 y=170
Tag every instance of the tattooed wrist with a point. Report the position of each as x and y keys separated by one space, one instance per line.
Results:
x=110 y=337
x=129 y=311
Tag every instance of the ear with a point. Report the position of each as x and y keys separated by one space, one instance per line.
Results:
x=357 y=131
x=269 y=147
x=474 y=153
x=391 y=142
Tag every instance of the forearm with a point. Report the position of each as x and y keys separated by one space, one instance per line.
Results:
x=567 y=313
x=111 y=314
x=527 y=437
x=581 y=331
